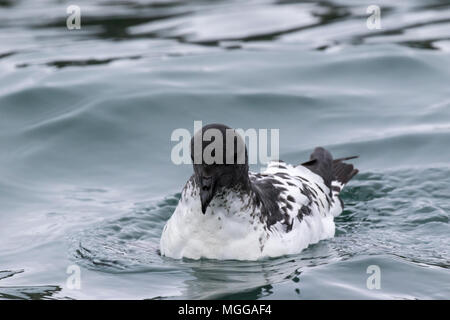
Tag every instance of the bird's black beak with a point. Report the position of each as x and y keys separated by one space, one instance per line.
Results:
x=206 y=192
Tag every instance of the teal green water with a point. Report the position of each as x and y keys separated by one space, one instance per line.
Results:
x=86 y=117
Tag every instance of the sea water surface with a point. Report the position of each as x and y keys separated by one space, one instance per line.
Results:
x=86 y=117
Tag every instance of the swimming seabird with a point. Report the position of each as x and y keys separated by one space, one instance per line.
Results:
x=227 y=212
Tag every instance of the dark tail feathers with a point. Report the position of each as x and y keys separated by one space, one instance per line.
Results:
x=321 y=162
x=343 y=172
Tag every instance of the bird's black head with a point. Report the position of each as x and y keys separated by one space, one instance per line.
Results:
x=220 y=161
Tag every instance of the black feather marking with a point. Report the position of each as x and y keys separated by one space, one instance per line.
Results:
x=267 y=197
x=321 y=163
x=303 y=211
x=343 y=172
x=289 y=225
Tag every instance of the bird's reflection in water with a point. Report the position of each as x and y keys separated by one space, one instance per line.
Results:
x=225 y=280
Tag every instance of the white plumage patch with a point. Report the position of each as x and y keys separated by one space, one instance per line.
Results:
x=235 y=227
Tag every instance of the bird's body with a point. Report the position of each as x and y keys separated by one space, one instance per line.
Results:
x=227 y=212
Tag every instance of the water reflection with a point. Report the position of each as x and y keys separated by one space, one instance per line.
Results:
x=25 y=292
